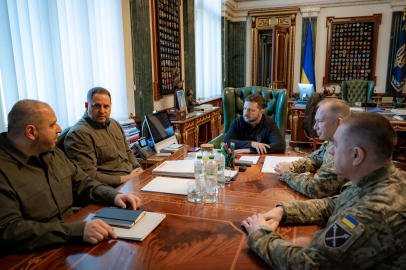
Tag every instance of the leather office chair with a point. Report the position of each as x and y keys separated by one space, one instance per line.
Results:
x=357 y=91
x=61 y=139
x=233 y=107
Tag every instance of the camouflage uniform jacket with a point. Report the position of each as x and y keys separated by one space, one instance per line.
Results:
x=323 y=184
x=365 y=227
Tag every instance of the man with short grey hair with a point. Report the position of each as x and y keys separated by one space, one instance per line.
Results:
x=98 y=145
x=324 y=183
x=364 y=227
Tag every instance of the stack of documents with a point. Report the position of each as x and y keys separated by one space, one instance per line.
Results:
x=356 y=109
x=401 y=112
x=172 y=148
x=179 y=168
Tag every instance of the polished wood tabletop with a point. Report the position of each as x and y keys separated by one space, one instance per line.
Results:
x=192 y=236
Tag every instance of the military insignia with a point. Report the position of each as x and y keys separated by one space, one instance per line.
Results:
x=349 y=221
x=336 y=237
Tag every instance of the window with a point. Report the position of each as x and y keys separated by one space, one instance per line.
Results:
x=55 y=51
x=208 y=48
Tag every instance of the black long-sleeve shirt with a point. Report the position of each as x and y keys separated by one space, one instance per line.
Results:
x=243 y=133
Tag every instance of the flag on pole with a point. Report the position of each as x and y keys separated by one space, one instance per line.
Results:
x=399 y=70
x=308 y=76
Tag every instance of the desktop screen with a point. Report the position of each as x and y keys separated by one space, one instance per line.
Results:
x=307 y=89
x=160 y=126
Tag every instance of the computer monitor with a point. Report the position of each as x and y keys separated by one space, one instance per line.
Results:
x=161 y=130
x=307 y=89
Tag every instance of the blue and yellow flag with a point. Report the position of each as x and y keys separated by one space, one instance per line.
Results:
x=399 y=70
x=308 y=76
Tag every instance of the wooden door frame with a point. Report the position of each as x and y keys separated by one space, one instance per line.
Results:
x=265 y=20
x=275 y=54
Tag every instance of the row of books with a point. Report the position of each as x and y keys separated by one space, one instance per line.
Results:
x=132 y=133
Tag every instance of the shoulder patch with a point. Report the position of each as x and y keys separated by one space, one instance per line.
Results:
x=336 y=237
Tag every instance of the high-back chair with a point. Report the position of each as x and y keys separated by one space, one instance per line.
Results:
x=357 y=91
x=233 y=107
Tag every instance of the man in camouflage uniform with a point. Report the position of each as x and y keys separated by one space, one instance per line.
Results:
x=364 y=227
x=326 y=182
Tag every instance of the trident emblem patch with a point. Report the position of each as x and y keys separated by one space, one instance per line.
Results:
x=336 y=237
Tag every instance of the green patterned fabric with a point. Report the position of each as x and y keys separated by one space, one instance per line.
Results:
x=357 y=91
x=233 y=106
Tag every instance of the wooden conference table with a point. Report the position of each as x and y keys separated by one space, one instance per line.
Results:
x=192 y=236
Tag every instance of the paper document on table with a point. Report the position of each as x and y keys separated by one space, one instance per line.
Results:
x=168 y=185
x=271 y=161
x=254 y=159
x=178 y=168
x=142 y=228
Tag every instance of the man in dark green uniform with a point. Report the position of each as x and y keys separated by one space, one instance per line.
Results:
x=324 y=183
x=365 y=226
x=97 y=144
x=39 y=185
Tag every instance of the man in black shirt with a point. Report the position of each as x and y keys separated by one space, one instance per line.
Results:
x=254 y=132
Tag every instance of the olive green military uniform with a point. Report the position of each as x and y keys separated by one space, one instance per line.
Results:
x=323 y=184
x=36 y=195
x=100 y=150
x=365 y=227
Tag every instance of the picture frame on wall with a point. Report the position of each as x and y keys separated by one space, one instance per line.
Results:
x=168 y=37
x=351 y=48
x=181 y=100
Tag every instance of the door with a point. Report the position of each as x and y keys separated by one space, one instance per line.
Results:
x=280 y=42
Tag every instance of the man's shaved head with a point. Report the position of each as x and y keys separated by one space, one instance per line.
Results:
x=25 y=112
x=336 y=108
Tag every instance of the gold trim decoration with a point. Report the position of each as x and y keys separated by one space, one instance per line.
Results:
x=197 y=136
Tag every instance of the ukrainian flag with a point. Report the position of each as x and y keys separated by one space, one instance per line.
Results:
x=350 y=222
x=308 y=76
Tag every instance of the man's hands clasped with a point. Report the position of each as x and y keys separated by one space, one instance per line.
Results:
x=270 y=219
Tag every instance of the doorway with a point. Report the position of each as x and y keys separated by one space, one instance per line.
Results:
x=273 y=50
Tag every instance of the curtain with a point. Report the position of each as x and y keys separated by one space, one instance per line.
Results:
x=208 y=48
x=393 y=43
x=305 y=22
x=55 y=51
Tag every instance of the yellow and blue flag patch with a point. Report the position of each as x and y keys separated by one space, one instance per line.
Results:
x=350 y=222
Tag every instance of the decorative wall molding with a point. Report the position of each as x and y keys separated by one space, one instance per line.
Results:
x=228 y=11
x=316 y=5
x=310 y=12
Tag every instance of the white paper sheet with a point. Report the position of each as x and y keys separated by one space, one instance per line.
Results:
x=168 y=185
x=254 y=159
x=271 y=161
x=142 y=228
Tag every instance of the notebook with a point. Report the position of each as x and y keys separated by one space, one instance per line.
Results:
x=119 y=217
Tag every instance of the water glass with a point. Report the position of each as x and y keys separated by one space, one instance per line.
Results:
x=209 y=191
x=193 y=195
x=221 y=178
x=227 y=175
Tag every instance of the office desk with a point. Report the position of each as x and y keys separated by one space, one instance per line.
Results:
x=198 y=129
x=192 y=236
x=299 y=136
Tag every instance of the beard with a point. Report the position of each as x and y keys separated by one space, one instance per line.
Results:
x=252 y=119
